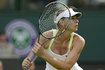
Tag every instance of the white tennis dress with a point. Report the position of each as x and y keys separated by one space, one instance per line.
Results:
x=61 y=57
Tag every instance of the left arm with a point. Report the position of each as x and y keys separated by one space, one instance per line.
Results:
x=73 y=56
x=78 y=46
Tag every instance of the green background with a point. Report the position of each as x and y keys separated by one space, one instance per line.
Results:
x=91 y=27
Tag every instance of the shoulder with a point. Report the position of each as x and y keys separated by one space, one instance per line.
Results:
x=79 y=37
x=49 y=33
x=46 y=35
x=79 y=40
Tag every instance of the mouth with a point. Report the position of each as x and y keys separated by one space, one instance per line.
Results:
x=76 y=26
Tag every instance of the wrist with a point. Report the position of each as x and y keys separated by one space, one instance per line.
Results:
x=44 y=55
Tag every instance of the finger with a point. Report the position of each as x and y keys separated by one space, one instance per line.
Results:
x=34 y=50
x=37 y=44
x=28 y=64
x=28 y=59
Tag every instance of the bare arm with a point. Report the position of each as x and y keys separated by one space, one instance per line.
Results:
x=71 y=58
x=27 y=62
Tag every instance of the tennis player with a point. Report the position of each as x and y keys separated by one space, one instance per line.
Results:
x=62 y=52
x=32 y=66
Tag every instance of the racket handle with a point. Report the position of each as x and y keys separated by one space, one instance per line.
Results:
x=32 y=57
x=25 y=68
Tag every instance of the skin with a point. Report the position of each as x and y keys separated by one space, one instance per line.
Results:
x=1 y=65
x=60 y=46
x=32 y=67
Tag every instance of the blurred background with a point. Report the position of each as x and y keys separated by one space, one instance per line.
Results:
x=19 y=25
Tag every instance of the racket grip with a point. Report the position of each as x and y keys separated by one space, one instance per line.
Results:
x=25 y=68
x=32 y=57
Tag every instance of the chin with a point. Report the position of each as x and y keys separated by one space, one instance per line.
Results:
x=75 y=30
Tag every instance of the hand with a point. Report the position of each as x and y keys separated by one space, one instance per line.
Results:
x=33 y=67
x=38 y=49
x=26 y=63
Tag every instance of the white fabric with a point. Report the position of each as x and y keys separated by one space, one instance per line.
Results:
x=66 y=14
x=61 y=57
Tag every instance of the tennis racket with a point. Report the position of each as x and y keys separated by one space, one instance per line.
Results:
x=49 y=20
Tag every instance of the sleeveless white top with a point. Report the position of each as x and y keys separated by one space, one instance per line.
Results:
x=60 y=57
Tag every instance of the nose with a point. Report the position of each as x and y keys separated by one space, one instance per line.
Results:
x=77 y=21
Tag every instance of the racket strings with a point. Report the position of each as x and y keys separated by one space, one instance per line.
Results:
x=47 y=18
x=46 y=21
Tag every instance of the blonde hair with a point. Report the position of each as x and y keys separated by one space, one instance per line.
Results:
x=57 y=13
x=60 y=11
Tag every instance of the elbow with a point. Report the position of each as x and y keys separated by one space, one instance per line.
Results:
x=66 y=67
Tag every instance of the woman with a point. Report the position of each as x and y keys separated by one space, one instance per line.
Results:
x=62 y=52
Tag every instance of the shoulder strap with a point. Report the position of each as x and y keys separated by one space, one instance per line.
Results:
x=71 y=40
x=54 y=33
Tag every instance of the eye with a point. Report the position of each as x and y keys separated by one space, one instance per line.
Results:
x=74 y=17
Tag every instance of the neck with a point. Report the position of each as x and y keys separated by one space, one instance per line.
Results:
x=64 y=36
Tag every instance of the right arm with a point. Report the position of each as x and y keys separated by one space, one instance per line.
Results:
x=27 y=62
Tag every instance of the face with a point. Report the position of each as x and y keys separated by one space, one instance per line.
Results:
x=73 y=23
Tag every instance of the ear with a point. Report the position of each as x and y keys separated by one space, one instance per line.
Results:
x=60 y=24
x=60 y=21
